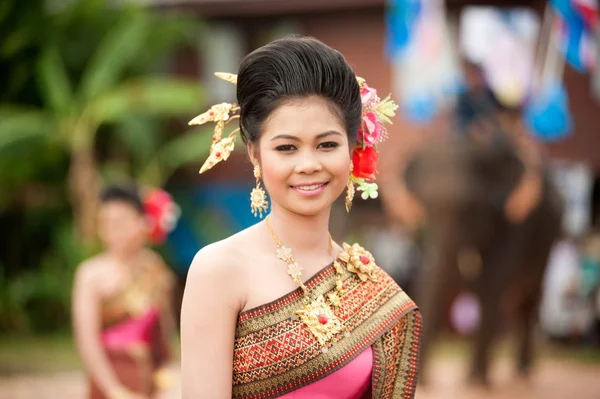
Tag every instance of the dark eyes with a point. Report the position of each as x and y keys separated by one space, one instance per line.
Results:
x=285 y=147
x=328 y=145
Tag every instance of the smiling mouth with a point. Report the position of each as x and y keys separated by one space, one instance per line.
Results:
x=309 y=187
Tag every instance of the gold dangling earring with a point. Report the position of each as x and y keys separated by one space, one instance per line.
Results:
x=258 y=197
x=350 y=190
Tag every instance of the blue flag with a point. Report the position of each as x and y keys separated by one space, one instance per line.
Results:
x=401 y=17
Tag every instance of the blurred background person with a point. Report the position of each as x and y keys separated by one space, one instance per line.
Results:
x=589 y=284
x=491 y=217
x=122 y=318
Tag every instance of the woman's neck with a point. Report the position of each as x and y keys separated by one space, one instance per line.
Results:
x=129 y=259
x=307 y=235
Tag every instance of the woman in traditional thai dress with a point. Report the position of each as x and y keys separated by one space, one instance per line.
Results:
x=280 y=309
x=121 y=305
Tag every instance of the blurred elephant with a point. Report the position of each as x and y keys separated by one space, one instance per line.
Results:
x=490 y=216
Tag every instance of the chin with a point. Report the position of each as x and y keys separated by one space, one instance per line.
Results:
x=309 y=211
x=312 y=207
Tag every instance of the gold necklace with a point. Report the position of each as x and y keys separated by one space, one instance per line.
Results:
x=317 y=314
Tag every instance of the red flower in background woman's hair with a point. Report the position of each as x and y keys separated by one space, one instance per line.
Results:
x=162 y=214
x=365 y=163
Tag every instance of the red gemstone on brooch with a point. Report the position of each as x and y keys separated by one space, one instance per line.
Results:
x=218 y=155
x=365 y=259
x=322 y=319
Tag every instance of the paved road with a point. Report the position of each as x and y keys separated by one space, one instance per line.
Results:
x=552 y=380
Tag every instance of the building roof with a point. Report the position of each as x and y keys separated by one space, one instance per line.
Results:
x=248 y=8
x=230 y=8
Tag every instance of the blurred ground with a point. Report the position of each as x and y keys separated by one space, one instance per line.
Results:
x=559 y=373
x=552 y=379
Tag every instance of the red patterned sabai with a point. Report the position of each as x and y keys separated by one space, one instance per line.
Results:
x=275 y=353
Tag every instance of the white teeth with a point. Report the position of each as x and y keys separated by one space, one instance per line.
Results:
x=312 y=187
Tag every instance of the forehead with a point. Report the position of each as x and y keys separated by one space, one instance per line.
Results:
x=303 y=118
x=118 y=207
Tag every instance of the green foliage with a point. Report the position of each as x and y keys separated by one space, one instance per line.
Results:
x=117 y=49
x=150 y=96
x=18 y=123
x=54 y=81
x=21 y=30
x=40 y=300
x=72 y=78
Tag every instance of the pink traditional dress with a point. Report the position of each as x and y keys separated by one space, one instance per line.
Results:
x=370 y=349
x=132 y=332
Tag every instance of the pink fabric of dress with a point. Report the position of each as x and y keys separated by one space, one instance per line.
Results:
x=349 y=382
x=130 y=331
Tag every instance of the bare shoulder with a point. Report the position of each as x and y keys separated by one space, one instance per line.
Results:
x=225 y=264
x=220 y=267
x=217 y=259
x=215 y=293
x=158 y=264
x=153 y=256
x=91 y=270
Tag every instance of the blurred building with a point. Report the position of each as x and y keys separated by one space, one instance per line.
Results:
x=357 y=29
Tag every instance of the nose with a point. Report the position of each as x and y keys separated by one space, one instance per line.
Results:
x=308 y=163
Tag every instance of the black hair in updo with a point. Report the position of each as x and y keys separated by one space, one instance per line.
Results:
x=294 y=67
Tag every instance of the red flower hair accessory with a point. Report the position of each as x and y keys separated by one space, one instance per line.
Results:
x=376 y=113
x=162 y=214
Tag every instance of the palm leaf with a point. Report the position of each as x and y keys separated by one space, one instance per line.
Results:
x=171 y=31
x=19 y=123
x=54 y=81
x=5 y=7
x=149 y=96
x=116 y=51
x=193 y=146
x=140 y=136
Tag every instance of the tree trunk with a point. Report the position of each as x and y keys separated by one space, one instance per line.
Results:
x=83 y=185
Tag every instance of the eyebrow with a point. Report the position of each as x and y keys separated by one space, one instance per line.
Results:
x=295 y=138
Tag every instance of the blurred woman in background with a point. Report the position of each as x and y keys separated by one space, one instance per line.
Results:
x=121 y=305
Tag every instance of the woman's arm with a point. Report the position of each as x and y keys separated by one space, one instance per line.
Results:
x=168 y=326
x=86 y=327
x=164 y=377
x=211 y=303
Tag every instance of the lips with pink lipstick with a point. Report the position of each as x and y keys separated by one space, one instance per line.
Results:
x=310 y=189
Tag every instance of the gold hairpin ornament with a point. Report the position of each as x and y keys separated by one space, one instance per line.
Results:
x=221 y=114
x=228 y=77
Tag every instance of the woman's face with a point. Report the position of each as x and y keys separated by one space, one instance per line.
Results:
x=121 y=227
x=304 y=156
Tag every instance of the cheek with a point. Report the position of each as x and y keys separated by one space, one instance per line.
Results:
x=274 y=178
x=340 y=167
x=137 y=229
x=275 y=170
